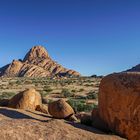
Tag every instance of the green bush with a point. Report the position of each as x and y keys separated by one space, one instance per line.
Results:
x=81 y=90
x=66 y=93
x=27 y=82
x=47 y=89
x=50 y=101
x=92 y=95
x=73 y=90
x=81 y=97
x=44 y=93
x=18 y=82
x=80 y=105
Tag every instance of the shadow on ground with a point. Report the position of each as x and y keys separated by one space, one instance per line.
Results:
x=86 y=128
x=43 y=115
x=15 y=114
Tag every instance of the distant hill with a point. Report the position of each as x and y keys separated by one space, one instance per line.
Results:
x=135 y=69
x=36 y=63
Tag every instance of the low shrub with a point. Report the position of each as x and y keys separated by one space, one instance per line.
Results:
x=81 y=90
x=44 y=93
x=80 y=105
x=73 y=90
x=66 y=93
x=92 y=95
x=47 y=89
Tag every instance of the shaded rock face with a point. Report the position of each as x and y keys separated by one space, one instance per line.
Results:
x=36 y=63
x=60 y=109
x=119 y=104
x=97 y=122
x=28 y=100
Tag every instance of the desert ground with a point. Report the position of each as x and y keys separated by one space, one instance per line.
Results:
x=31 y=125
x=82 y=108
x=81 y=93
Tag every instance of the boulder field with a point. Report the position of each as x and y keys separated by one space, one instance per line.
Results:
x=118 y=112
x=27 y=118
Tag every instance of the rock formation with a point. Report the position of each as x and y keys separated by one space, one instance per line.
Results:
x=119 y=104
x=36 y=63
x=24 y=125
x=60 y=109
x=42 y=108
x=28 y=100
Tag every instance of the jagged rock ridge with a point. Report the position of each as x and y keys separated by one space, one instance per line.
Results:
x=36 y=63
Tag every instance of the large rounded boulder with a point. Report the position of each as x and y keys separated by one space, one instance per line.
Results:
x=119 y=104
x=60 y=109
x=28 y=99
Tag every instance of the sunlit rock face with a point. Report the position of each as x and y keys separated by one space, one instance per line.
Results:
x=36 y=63
x=119 y=104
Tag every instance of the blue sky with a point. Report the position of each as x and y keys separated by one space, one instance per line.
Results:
x=90 y=36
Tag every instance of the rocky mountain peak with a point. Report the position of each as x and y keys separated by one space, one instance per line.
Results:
x=37 y=52
x=36 y=63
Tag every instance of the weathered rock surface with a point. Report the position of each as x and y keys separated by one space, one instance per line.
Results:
x=119 y=104
x=25 y=125
x=36 y=63
x=37 y=52
x=42 y=108
x=28 y=100
x=60 y=109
